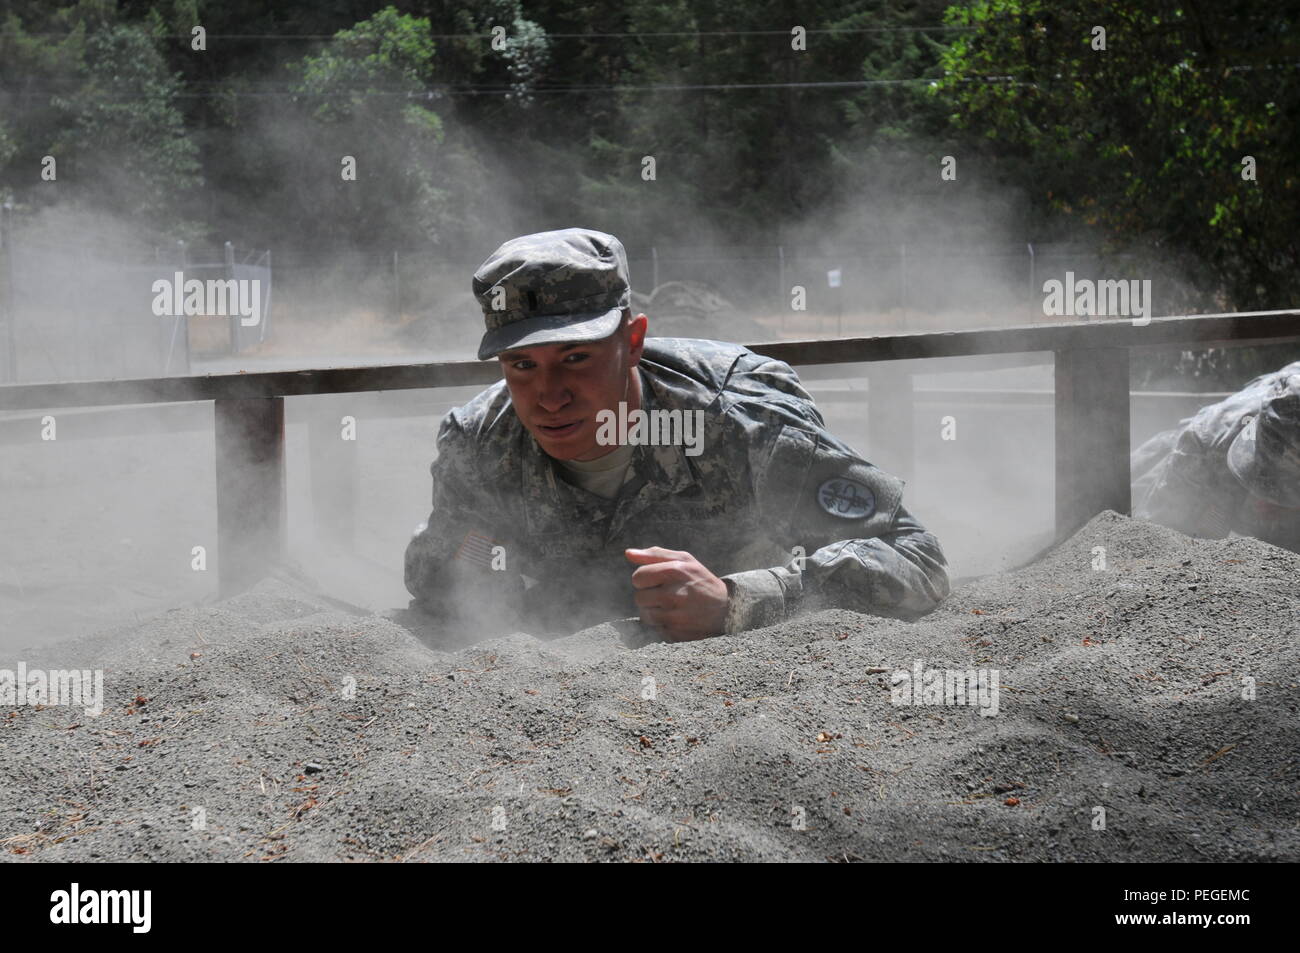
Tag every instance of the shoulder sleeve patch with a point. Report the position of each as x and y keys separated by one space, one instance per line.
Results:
x=850 y=496
x=846 y=498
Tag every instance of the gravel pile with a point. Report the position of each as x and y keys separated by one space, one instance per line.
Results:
x=1146 y=710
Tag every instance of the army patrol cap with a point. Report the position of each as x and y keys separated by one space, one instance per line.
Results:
x=1265 y=454
x=555 y=287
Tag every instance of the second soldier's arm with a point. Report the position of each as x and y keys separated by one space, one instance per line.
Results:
x=1192 y=490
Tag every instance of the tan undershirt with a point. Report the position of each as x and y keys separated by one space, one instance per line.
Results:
x=602 y=476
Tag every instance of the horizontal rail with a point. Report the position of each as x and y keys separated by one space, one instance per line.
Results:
x=1184 y=331
x=1091 y=400
x=136 y=419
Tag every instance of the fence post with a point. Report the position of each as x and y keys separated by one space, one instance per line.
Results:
x=250 y=489
x=1034 y=312
x=1092 y=435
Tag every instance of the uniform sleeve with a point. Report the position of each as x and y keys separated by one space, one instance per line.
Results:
x=1191 y=489
x=453 y=566
x=860 y=548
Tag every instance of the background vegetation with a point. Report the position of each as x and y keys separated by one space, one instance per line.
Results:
x=1135 y=148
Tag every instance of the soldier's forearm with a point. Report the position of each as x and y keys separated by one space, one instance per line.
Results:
x=903 y=575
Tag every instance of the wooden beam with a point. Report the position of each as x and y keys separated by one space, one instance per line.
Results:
x=196 y=417
x=250 y=490
x=330 y=380
x=1197 y=331
x=1092 y=435
x=975 y=362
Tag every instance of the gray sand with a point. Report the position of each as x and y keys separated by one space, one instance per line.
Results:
x=1120 y=689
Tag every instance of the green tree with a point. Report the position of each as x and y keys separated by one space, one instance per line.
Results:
x=127 y=140
x=365 y=94
x=96 y=94
x=1144 y=141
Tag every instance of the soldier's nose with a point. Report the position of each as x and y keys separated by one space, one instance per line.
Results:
x=553 y=399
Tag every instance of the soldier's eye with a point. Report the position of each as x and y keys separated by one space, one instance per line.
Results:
x=576 y=357
x=522 y=365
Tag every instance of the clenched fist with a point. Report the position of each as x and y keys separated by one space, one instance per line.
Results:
x=677 y=595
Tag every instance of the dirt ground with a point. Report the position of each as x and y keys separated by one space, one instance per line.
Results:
x=1146 y=710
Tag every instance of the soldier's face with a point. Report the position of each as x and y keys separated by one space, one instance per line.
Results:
x=558 y=389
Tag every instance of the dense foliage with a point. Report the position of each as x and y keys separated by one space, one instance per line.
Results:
x=457 y=139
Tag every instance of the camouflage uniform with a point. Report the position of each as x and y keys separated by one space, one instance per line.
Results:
x=770 y=478
x=1183 y=478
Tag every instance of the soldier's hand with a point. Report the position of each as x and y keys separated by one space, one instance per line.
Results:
x=677 y=595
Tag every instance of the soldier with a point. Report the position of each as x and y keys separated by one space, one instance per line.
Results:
x=1232 y=468
x=691 y=482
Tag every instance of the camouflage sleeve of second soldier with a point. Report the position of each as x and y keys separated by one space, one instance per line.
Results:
x=1191 y=489
x=859 y=547
x=456 y=559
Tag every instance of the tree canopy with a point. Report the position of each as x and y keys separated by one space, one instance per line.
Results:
x=1175 y=136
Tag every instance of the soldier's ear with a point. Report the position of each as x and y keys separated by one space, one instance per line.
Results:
x=637 y=328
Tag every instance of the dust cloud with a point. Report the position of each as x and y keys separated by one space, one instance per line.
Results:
x=105 y=519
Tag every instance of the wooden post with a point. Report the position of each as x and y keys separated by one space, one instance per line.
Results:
x=890 y=415
x=1092 y=435
x=250 y=489
x=1035 y=293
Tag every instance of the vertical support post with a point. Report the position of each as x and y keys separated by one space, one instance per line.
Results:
x=654 y=268
x=335 y=480
x=1092 y=435
x=1034 y=311
x=890 y=414
x=250 y=489
x=183 y=258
